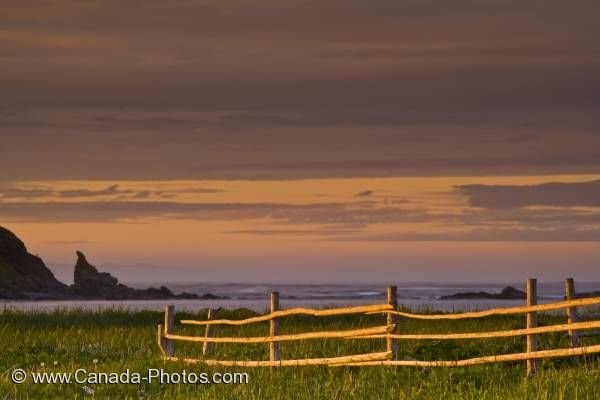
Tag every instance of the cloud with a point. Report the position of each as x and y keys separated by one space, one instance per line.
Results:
x=15 y=192
x=356 y=220
x=319 y=232
x=96 y=211
x=554 y=194
x=497 y=234
x=111 y=190
x=382 y=90
x=356 y=214
x=281 y=154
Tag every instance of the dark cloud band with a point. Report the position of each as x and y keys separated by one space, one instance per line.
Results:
x=554 y=194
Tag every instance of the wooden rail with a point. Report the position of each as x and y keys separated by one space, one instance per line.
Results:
x=589 y=301
x=166 y=336
x=578 y=351
x=294 y=311
x=487 y=335
x=358 y=358
x=286 y=338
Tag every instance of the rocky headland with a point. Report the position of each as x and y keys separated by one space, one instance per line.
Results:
x=24 y=276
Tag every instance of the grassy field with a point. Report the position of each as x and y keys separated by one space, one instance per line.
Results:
x=116 y=340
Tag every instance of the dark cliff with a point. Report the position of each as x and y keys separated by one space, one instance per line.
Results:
x=24 y=275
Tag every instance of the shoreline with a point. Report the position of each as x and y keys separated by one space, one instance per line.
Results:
x=256 y=305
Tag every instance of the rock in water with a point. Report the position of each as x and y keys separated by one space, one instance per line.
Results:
x=90 y=283
x=508 y=293
x=23 y=275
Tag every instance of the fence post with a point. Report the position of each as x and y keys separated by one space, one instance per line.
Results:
x=169 y=328
x=210 y=331
x=531 y=323
x=160 y=339
x=274 y=347
x=392 y=299
x=571 y=311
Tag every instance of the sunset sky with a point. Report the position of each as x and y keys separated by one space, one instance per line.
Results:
x=330 y=140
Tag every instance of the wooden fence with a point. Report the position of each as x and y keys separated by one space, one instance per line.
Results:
x=166 y=336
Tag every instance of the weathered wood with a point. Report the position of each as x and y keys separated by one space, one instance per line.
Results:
x=392 y=343
x=573 y=351
x=488 y=335
x=498 y=311
x=531 y=323
x=375 y=359
x=169 y=345
x=571 y=311
x=286 y=338
x=288 y=363
x=210 y=331
x=166 y=337
x=274 y=347
x=296 y=311
x=160 y=339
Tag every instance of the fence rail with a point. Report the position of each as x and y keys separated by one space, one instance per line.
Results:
x=367 y=332
x=377 y=308
x=488 y=335
x=589 y=301
x=343 y=360
x=574 y=324
x=577 y=351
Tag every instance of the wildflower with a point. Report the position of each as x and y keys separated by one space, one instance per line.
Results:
x=55 y=363
x=88 y=390
x=42 y=364
x=95 y=361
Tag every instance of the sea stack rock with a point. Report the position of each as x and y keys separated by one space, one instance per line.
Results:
x=92 y=284
x=23 y=275
x=89 y=282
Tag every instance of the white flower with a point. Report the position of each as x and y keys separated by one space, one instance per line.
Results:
x=88 y=390
x=55 y=362
x=95 y=361
x=42 y=364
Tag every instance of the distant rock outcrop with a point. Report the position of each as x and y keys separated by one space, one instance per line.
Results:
x=508 y=293
x=90 y=283
x=23 y=275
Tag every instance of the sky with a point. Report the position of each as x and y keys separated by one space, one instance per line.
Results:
x=313 y=141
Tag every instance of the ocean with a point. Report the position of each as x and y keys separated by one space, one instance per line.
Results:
x=416 y=296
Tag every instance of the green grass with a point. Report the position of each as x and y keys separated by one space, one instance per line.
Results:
x=121 y=340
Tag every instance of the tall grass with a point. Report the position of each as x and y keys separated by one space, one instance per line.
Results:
x=118 y=340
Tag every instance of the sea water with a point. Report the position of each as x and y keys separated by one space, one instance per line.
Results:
x=418 y=296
